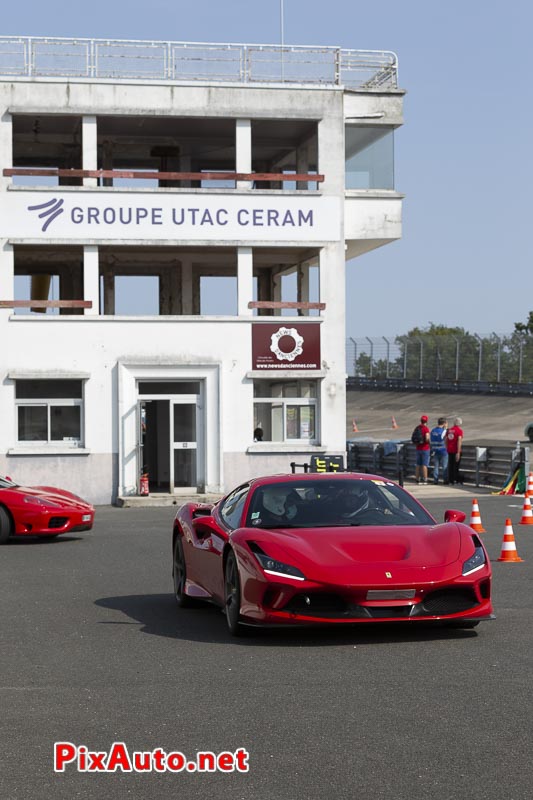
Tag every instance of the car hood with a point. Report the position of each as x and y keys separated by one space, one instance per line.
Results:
x=60 y=496
x=343 y=554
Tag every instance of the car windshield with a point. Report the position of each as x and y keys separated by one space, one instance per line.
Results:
x=6 y=483
x=333 y=503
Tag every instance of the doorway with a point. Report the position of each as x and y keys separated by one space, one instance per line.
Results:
x=170 y=436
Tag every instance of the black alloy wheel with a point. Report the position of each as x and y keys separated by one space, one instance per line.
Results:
x=232 y=596
x=5 y=525
x=179 y=573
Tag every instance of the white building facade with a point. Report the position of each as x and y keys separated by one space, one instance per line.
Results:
x=175 y=222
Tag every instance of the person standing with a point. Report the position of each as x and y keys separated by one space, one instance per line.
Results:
x=437 y=441
x=454 y=446
x=421 y=440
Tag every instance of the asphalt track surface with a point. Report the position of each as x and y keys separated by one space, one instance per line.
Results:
x=94 y=651
x=487 y=419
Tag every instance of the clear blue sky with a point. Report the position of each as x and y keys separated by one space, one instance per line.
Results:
x=463 y=157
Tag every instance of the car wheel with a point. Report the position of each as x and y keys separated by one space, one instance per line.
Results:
x=530 y=434
x=5 y=525
x=179 y=573
x=232 y=596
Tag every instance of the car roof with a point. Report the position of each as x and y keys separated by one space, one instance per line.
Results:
x=314 y=476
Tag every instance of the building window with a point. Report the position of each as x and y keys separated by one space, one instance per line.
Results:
x=286 y=411
x=49 y=411
x=369 y=153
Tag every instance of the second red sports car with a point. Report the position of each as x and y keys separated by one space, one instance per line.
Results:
x=41 y=511
x=329 y=549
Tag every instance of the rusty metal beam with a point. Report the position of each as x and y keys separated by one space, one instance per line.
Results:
x=46 y=304
x=9 y=172
x=281 y=304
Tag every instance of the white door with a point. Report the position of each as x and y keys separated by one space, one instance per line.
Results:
x=185 y=457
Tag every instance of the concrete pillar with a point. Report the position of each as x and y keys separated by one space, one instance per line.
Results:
x=91 y=279
x=264 y=292
x=6 y=147
x=196 y=293
x=245 y=281
x=7 y=276
x=107 y=161
x=302 y=164
x=89 y=157
x=276 y=287
x=303 y=288
x=185 y=165
x=109 y=292
x=186 y=286
x=170 y=290
x=243 y=147
x=332 y=344
x=164 y=292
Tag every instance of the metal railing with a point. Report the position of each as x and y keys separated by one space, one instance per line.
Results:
x=118 y=59
x=441 y=360
x=480 y=466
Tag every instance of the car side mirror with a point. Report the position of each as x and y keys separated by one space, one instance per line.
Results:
x=204 y=526
x=454 y=516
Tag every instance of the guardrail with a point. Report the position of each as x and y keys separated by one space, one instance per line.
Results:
x=480 y=466
x=29 y=56
x=459 y=387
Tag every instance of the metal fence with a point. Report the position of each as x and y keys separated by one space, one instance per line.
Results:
x=28 y=56
x=480 y=466
x=493 y=358
x=491 y=466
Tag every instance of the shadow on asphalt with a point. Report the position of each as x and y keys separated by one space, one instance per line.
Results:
x=25 y=539
x=159 y=616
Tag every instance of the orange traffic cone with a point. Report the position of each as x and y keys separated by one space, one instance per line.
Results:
x=394 y=425
x=355 y=429
x=508 y=552
x=527 y=511
x=529 y=487
x=475 y=518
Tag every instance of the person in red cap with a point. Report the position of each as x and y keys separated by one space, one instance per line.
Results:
x=421 y=439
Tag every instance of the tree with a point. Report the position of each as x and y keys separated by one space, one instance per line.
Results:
x=439 y=353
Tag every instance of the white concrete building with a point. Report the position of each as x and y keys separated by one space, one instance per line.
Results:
x=221 y=189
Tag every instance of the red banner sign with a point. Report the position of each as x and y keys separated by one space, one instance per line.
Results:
x=276 y=347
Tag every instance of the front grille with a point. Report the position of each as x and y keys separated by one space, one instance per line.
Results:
x=57 y=522
x=448 y=601
x=391 y=612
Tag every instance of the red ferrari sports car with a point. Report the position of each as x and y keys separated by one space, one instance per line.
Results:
x=329 y=549
x=41 y=511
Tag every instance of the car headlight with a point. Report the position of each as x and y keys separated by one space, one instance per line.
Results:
x=274 y=567
x=28 y=498
x=475 y=562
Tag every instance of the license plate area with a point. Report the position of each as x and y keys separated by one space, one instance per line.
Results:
x=390 y=594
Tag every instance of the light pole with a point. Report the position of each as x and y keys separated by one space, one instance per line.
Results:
x=282 y=37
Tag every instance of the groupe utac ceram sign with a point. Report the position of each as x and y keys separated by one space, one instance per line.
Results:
x=141 y=216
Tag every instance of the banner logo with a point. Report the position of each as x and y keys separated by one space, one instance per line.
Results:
x=292 y=341
x=49 y=211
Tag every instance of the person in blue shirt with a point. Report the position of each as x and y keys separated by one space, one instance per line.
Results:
x=437 y=441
